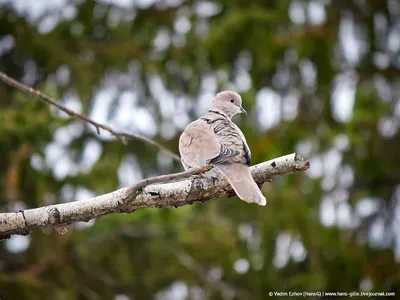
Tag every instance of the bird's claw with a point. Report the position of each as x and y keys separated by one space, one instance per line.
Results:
x=198 y=176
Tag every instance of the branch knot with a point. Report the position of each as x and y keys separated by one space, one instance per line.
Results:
x=54 y=215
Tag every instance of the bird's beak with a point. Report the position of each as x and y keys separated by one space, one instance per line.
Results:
x=242 y=111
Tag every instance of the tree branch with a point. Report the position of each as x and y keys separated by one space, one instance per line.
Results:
x=119 y=135
x=145 y=194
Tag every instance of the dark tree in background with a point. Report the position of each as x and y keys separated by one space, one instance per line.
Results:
x=318 y=77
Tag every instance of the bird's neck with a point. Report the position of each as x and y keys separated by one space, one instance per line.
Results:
x=219 y=113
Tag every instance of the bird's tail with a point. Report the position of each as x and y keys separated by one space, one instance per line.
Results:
x=242 y=182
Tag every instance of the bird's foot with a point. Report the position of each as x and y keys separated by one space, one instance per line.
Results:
x=198 y=176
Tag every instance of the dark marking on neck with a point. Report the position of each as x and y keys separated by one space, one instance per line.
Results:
x=211 y=121
x=218 y=113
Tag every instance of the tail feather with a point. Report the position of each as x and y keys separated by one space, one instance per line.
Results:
x=242 y=182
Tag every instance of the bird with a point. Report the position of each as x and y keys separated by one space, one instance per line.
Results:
x=215 y=139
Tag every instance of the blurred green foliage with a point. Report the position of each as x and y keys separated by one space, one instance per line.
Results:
x=333 y=228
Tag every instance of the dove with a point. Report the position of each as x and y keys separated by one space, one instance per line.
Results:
x=215 y=139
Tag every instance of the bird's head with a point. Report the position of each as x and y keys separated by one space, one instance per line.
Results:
x=229 y=103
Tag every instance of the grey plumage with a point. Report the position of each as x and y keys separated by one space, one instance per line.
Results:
x=215 y=139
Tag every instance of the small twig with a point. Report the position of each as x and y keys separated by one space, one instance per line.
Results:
x=170 y=177
x=119 y=135
x=137 y=188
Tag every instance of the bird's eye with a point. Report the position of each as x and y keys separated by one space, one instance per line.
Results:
x=232 y=100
